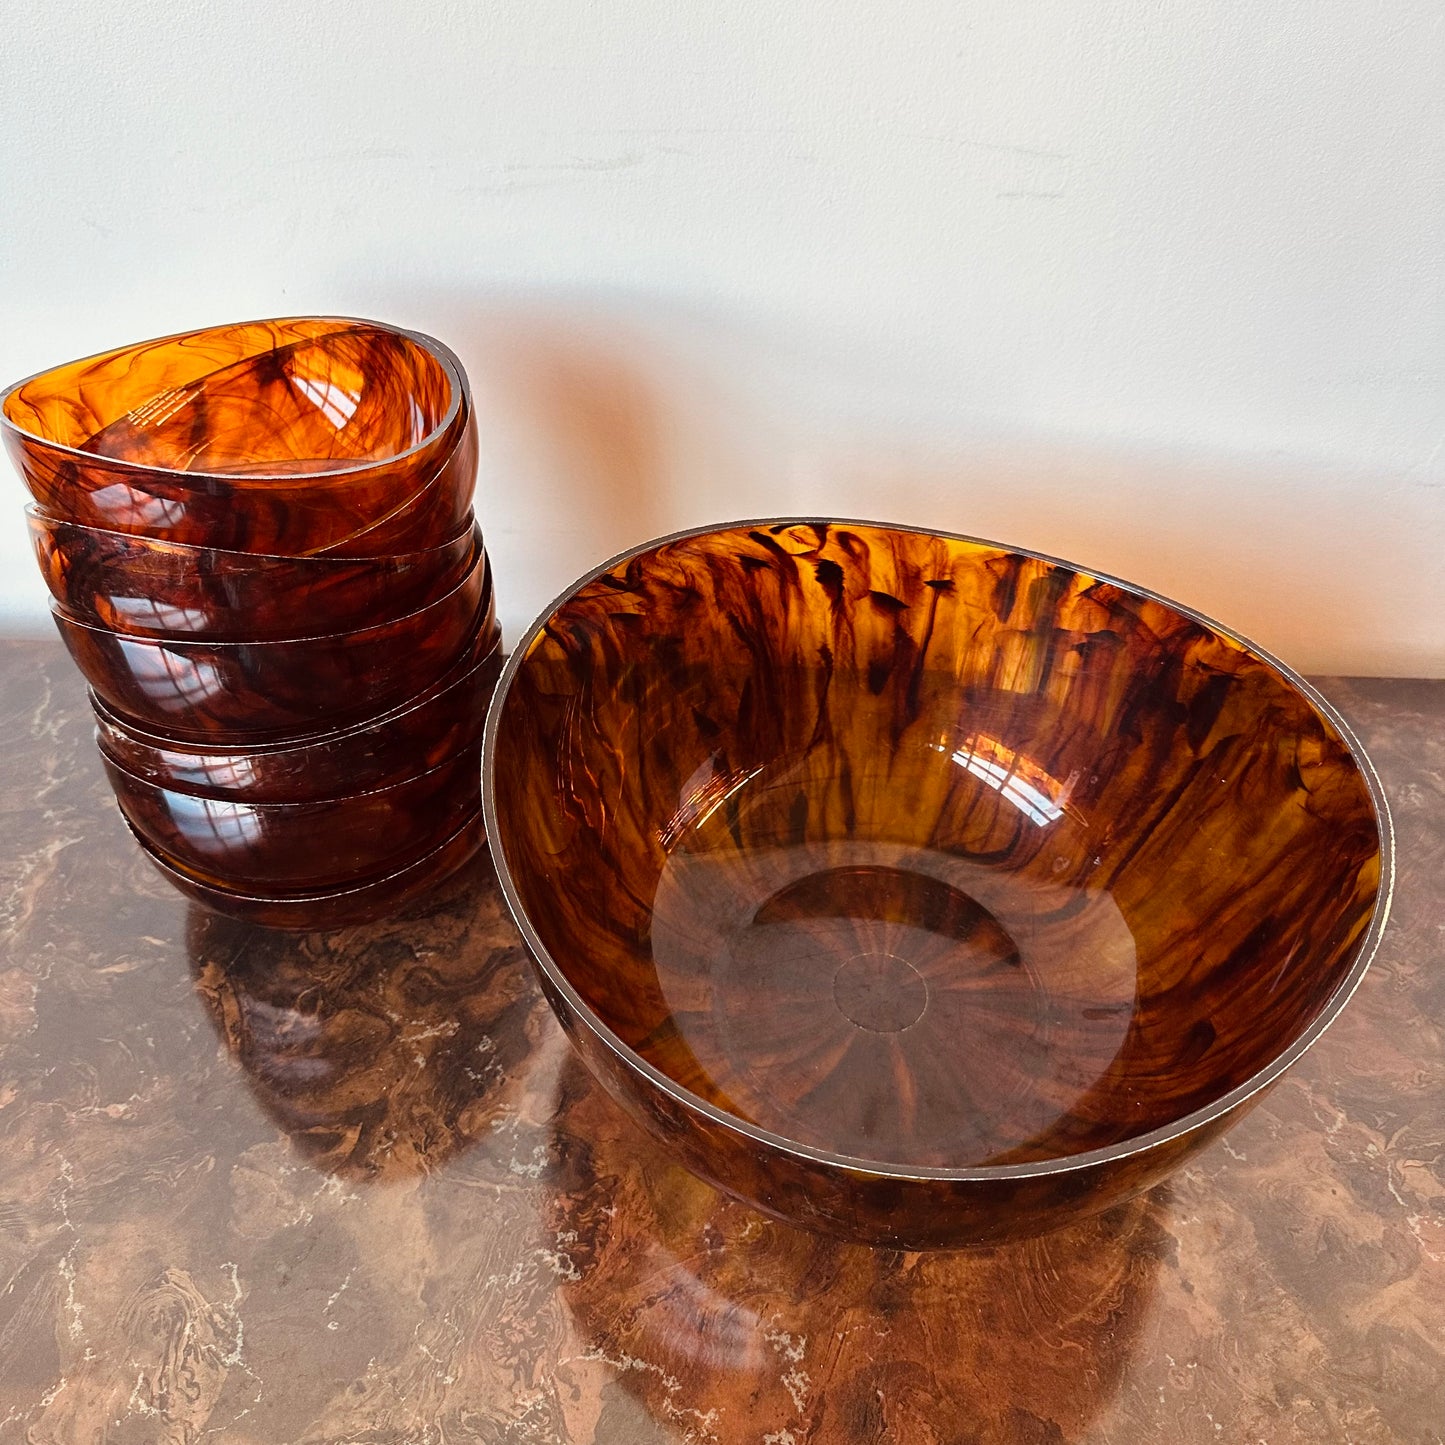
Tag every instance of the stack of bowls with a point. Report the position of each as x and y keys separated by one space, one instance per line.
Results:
x=261 y=549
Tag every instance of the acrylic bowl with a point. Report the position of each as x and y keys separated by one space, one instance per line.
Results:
x=917 y=889
x=291 y=436
x=417 y=734
x=243 y=691
x=329 y=907
x=301 y=847
x=136 y=584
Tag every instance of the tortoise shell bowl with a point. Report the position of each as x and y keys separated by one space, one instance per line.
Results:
x=415 y=736
x=292 y=436
x=232 y=691
x=345 y=906
x=136 y=584
x=294 y=847
x=920 y=890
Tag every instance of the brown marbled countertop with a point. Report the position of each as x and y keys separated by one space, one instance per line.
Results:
x=353 y=1187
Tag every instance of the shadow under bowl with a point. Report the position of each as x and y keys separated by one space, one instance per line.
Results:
x=239 y=691
x=918 y=889
x=150 y=588
x=414 y=736
x=333 y=907
x=291 y=436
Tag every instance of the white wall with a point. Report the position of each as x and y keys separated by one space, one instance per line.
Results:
x=1155 y=286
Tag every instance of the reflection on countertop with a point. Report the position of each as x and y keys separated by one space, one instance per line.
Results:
x=353 y=1187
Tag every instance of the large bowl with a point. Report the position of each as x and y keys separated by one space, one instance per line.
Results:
x=290 y=436
x=917 y=889
x=418 y=734
x=301 y=847
x=329 y=907
x=240 y=691
x=151 y=588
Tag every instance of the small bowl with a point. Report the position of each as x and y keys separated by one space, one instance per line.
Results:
x=243 y=691
x=416 y=735
x=920 y=890
x=332 y=907
x=284 y=437
x=148 y=588
x=305 y=847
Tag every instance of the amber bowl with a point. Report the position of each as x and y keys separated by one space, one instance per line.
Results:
x=301 y=847
x=359 y=902
x=153 y=588
x=413 y=737
x=239 y=691
x=288 y=437
x=921 y=890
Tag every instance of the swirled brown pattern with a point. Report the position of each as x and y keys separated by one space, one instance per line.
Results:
x=915 y=888
x=229 y=691
x=354 y=902
x=419 y=734
x=232 y=841
x=137 y=584
x=290 y=436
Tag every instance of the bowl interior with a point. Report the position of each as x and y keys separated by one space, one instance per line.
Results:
x=282 y=398
x=921 y=851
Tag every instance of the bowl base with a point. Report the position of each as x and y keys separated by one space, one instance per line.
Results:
x=896 y=1002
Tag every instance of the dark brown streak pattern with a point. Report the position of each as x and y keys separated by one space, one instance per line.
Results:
x=923 y=853
x=235 y=691
x=419 y=734
x=136 y=584
x=341 y=435
x=353 y=1189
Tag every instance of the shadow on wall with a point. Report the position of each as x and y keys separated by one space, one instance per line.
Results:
x=596 y=437
x=606 y=424
x=590 y=421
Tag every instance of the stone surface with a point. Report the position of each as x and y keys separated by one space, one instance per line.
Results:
x=353 y=1187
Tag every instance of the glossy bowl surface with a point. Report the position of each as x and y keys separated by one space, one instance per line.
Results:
x=292 y=436
x=301 y=847
x=333 y=907
x=414 y=736
x=239 y=691
x=139 y=585
x=918 y=889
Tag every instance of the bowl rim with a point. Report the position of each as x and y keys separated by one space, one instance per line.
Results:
x=1365 y=948
x=480 y=563
x=171 y=871
x=233 y=797
x=455 y=677
x=444 y=356
x=35 y=515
